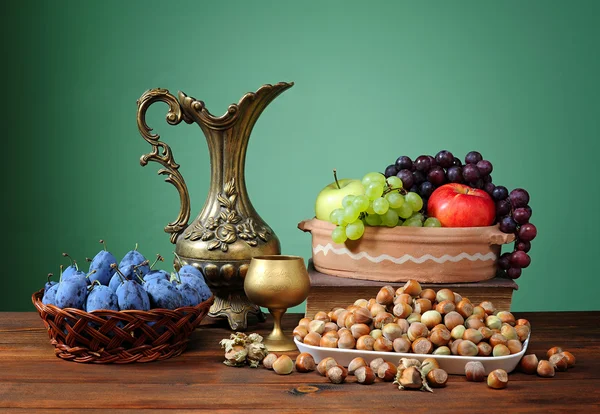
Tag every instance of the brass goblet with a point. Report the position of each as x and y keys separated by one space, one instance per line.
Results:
x=277 y=283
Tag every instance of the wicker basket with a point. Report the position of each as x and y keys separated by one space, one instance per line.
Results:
x=119 y=337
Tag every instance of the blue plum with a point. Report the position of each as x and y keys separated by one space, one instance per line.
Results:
x=101 y=264
x=49 y=297
x=133 y=257
x=132 y=296
x=49 y=283
x=190 y=295
x=156 y=274
x=127 y=272
x=101 y=297
x=71 y=293
x=190 y=270
x=163 y=294
x=197 y=283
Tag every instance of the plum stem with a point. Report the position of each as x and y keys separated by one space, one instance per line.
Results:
x=87 y=259
x=158 y=257
x=136 y=247
x=138 y=274
x=104 y=244
x=61 y=272
x=91 y=273
x=121 y=275
x=73 y=261
x=95 y=282
x=336 y=179
x=49 y=276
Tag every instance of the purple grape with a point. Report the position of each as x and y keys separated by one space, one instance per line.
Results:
x=423 y=163
x=418 y=177
x=471 y=173
x=502 y=208
x=504 y=261
x=407 y=178
x=487 y=179
x=454 y=174
x=457 y=162
x=485 y=167
x=520 y=259
x=478 y=184
x=513 y=272
x=523 y=246
x=507 y=225
x=519 y=197
x=521 y=215
x=433 y=161
x=489 y=188
x=390 y=171
x=414 y=189
x=425 y=190
x=500 y=193
x=527 y=232
x=436 y=176
x=473 y=157
x=444 y=159
x=404 y=163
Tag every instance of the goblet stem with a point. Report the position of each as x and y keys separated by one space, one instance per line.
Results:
x=277 y=341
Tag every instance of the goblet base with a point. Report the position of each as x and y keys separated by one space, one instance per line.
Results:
x=279 y=342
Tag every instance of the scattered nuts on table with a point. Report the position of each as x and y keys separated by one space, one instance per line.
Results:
x=497 y=379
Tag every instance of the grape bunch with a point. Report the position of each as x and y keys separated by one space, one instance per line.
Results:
x=426 y=173
x=385 y=203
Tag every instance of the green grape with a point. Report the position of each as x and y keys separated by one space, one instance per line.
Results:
x=370 y=210
x=374 y=190
x=405 y=211
x=412 y=223
x=417 y=216
x=432 y=222
x=337 y=216
x=338 y=235
x=355 y=230
x=390 y=218
x=415 y=201
x=381 y=205
x=347 y=201
x=395 y=199
x=373 y=177
x=361 y=202
x=394 y=182
x=350 y=214
x=373 y=219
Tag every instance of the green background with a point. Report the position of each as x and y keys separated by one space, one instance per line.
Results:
x=517 y=81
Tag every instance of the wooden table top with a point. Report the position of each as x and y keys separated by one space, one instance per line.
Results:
x=32 y=379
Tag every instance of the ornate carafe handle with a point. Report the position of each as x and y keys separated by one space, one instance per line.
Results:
x=162 y=154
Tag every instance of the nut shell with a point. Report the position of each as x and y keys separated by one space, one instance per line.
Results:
x=365 y=375
x=305 y=362
x=545 y=369
x=325 y=364
x=559 y=361
x=387 y=371
x=355 y=364
x=437 y=378
x=337 y=374
x=497 y=379
x=474 y=371
x=528 y=364
x=283 y=365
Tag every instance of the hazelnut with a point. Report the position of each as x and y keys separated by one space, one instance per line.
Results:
x=335 y=313
x=349 y=320
x=465 y=308
x=330 y=326
x=488 y=307
x=403 y=298
x=514 y=346
x=570 y=358
x=458 y=332
x=312 y=338
x=522 y=332
x=428 y=294
x=333 y=334
x=321 y=316
x=299 y=333
x=305 y=362
x=359 y=329
x=402 y=310
x=445 y=307
x=467 y=348
x=411 y=378
x=431 y=318
x=328 y=341
x=414 y=317
x=417 y=330
x=479 y=312
x=458 y=297
x=497 y=379
x=507 y=317
x=440 y=337
x=283 y=365
x=474 y=322
x=498 y=339
x=341 y=319
x=304 y=322
x=422 y=305
x=500 y=350
x=365 y=375
x=346 y=341
x=392 y=331
x=382 y=344
x=437 y=378
x=484 y=348
x=376 y=309
x=325 y=364
x=352 y=308
x=486 y=333
x=454 y=346
x=473 y=335
x=438 y=326
x=337 y=374
x=385 y=296
x=363 y=315
x=475 y=371
x=401 y=345
x=365 y=343
x=428 y=364
x=363 y=303
x=399 y=291
x=453 y=319
x=381 y=319
x=370 y=303
x=387 y=371
x=523 y=322
x=375 y=363
x=355 y=364
x=553 y=350
x=422 y=346
x=268 y=360
x=403 y=324
x=509 y=332
x=529 y=364
x=559 y=362
x=413 y=288
x=341 y=331
x=376 y=333
x=545 y=369
x=444 y=294
x=442 y=350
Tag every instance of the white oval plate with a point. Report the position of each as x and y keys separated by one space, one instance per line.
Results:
x=452 y=364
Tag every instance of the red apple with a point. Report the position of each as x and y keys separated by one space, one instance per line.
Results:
x=458 y=205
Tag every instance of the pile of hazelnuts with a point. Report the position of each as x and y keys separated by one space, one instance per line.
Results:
x=415 y=320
